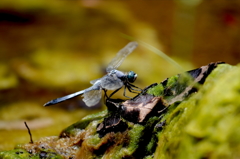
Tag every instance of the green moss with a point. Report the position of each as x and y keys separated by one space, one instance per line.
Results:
x=14 y=154
x=157 y=90
x=207 y=124
x=174 y=86
x=172 y=81
x=148 y=157
x=23 y=154
x=135 y=135
x=82 y=124
x=152 y=122
x=94 y=140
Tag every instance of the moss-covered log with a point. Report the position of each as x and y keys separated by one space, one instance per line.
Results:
x=177 y=118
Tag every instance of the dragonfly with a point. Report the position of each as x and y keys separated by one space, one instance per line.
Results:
x=113 y=80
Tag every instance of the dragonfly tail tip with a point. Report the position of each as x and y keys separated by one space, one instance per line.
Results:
x=47 y=104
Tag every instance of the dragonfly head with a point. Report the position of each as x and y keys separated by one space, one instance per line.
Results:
x=131 y=76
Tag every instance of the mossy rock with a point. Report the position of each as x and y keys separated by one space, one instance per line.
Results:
x=206 y=125
x=201 y=124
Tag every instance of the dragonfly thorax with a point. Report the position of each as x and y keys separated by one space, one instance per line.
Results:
x=118 y=73
x=131 y=76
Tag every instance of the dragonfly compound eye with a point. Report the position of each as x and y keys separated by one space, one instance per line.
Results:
x=131 y=76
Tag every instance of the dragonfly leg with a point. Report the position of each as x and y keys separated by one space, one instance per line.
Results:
x=133 y=87
x=114 y=92
x=124 y=92
x=105 y=94
x=132 y=90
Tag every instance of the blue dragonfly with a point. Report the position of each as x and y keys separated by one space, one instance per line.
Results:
x=113 y=80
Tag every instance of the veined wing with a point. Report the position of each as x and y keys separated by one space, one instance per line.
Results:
x=111 y=82
x=61 y=99
x=91 y=98
x=121 y=55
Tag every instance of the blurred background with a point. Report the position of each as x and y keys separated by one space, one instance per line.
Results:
x=49 y=49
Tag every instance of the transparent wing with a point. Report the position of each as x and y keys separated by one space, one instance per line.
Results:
x=111 y=82
x=121 y=55
x=91 y=98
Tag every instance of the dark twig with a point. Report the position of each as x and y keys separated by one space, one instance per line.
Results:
x=29 y=132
